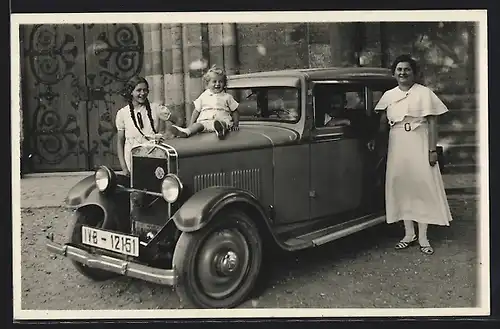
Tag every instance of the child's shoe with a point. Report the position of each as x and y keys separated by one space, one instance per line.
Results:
x=220 y=130
x=180 y=132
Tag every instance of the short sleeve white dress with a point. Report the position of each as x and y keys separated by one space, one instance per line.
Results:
x=414 y=190
x=133 y=136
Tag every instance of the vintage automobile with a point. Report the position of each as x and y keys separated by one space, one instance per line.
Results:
x=200 y=213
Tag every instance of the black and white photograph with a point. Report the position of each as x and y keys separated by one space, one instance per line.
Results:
x=250 y=164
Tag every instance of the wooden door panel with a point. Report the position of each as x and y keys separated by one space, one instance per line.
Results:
x=55 y=125
x=114 y=55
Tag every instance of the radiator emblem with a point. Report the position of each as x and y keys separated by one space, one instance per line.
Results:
x=159 y=172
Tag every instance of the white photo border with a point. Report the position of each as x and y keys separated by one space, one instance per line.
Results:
x=483 y=266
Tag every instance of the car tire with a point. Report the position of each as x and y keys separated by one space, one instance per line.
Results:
x=87 y=217
x=218 y=266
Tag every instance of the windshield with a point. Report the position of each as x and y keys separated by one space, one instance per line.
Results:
x=280 y=104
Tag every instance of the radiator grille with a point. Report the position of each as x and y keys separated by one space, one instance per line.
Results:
x=147 y=161
x=206 y=180
x=144 y=177
x=150 y=164
x=247 y=179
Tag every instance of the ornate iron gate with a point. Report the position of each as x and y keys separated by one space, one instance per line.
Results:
x=71 y=91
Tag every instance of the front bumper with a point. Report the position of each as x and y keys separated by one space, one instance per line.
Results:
x=115 y=265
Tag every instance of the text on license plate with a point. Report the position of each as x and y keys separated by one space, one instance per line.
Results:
x=124 y=244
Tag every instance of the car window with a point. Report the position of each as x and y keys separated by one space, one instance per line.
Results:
x=376 y=95
x=335 y=103
x=270 y=103
x=355 y=100
x=378 y=91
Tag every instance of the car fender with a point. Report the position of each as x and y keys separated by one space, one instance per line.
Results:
x=200 y=208
x=114 y=205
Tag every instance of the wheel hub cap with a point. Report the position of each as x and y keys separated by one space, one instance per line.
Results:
x=223 y=263
x=228 y=263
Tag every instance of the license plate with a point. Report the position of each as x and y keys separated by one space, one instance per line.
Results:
x=123 y=244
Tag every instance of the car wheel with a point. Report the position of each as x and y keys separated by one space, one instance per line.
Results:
x=89 y=218
x=218 y=266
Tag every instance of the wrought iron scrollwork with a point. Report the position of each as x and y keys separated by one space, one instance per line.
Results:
x=51 y=60
x=120 y=57
x=55 y=138
x=124 y=48
x=55 y=56
x=51 y=57
x=106 y=131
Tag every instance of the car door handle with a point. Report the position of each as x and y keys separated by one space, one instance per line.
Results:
x=371 y=145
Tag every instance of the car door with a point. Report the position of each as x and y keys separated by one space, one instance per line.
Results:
x=375 y=164
x=336 y=157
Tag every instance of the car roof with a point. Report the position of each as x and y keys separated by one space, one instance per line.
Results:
x=321 y=73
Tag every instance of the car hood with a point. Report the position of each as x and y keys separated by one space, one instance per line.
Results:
x=248 y=137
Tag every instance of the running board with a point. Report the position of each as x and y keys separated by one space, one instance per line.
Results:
x=331 y=233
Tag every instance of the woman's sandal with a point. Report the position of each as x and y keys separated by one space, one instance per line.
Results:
x=428 y=250
x=405 y=244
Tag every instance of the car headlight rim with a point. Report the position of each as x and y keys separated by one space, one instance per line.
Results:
x=104 y=179
x=173 y=190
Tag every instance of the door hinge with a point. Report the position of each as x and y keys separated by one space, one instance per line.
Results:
x=90 y=94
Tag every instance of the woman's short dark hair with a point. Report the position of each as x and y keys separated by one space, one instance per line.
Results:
x=406 y=58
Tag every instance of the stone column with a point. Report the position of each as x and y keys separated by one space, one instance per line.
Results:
x=223 y=50
x=342 y=44
x=177 y=55
x=230 y=50
x=155 y=77
x=153 y=63
x=215 y=42
x=166 y=61
x=174 y=72
x=163 y=65
x=148 y=48
x=194 y=64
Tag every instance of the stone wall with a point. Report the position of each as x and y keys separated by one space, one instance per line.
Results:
x=264 y=47
x=177 y=56
x=444 y=56
x=273 y=46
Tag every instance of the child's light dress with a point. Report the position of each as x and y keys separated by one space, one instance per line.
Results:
x=414 y=190
x=215 y=106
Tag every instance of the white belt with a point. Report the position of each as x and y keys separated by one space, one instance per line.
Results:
x=407 y=126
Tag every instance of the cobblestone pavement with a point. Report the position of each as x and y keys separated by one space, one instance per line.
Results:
x=360 y=271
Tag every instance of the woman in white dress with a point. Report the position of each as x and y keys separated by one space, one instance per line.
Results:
x=414 y=186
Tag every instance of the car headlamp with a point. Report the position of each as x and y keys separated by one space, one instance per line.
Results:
x=105 y=179
x=171 y=188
